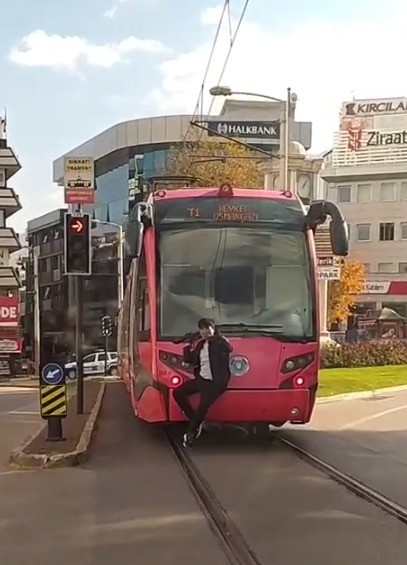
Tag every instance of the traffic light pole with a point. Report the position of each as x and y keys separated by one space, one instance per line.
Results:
x=106 y=350
x=78 y=263
x=78 y=344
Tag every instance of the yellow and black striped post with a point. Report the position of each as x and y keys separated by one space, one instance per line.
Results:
x=53 y=399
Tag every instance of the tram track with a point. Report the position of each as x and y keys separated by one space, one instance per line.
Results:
x=221 y=524
x=357 y=487
x=230 y=491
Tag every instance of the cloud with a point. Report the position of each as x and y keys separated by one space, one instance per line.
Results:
x=111 y=12
x=38 y=49
x=323 y=62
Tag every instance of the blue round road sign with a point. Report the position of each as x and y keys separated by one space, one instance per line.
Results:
x=52 y=374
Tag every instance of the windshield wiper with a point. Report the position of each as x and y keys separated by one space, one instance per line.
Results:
x=186 y=337
x=266 y=330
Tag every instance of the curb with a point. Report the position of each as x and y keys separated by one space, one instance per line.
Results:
x=359 y=395
x=17 y=384
x=70 y=459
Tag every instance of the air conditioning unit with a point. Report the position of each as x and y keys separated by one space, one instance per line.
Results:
x=56 y=275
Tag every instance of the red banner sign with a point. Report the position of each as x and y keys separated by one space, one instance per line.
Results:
x=10 y=345
x=9 y=311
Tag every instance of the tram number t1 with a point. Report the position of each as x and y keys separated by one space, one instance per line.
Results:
x=194 y=212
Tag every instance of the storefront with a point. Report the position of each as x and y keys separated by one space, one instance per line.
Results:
x=10 y=334
x=384 y=294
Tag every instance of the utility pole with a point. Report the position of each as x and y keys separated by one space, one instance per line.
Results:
x=287 y=183
x=37 y=314
x=120 y=267
x=78 y=344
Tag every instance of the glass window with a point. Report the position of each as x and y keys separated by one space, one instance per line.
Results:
x=112 y=185
x=386 y=231
x=344 y=193
x=148 y=164
x=118 y=209
x=101 y=213
x=255 y=277
x=402 y=268
x=363 y=232
x=403 y=230
x=399 y=307
x=403 y=190
x=102 y=356
x=387 y=191
x=385 y=267
x=364 y=192
x=90 y=358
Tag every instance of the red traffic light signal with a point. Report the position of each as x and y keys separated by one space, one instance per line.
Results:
x=76 y=225
x=77 y=245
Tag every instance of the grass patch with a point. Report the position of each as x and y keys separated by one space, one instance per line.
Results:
x=340 y=381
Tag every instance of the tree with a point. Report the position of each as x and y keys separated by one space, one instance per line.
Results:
x=342 y=293
x=215 y=162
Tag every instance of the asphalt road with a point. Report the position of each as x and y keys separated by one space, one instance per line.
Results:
x=290 y=513
x=365 y=438
x=18 y=418
x=130 y=504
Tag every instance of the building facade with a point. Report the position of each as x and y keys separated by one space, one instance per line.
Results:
x=129 y=153
x=10 y=325
x=366 y=174
x=50 y=302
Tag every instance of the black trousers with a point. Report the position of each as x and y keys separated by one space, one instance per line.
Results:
x=208 y=391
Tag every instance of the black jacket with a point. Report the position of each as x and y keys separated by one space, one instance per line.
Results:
x=219 y=353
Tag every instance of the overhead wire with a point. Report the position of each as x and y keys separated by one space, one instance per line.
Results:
x=232 y=43
x=199 y=103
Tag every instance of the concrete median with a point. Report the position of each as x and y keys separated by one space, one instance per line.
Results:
x=35 y=452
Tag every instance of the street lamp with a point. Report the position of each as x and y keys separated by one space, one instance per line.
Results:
x=284 y=120
x=120 y=259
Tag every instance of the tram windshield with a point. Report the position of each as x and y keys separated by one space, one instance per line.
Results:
x=250 y=280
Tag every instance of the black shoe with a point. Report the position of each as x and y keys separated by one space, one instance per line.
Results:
x=187 y=440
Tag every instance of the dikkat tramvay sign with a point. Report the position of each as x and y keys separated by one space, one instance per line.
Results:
x=259 y=130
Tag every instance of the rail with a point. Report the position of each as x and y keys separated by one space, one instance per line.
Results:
x=357 y=487
x=228 y=534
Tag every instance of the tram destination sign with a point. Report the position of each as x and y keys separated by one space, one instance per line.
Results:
x=235 y=210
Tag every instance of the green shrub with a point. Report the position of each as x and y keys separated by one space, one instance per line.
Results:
x=365 y=354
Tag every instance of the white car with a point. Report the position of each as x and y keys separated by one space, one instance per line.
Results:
x=94 y=364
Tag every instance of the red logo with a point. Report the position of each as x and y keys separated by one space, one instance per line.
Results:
x=9 y=311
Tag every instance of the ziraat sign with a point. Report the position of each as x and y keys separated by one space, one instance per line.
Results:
x=9 y=311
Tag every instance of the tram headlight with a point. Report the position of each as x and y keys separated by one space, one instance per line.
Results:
x=298 y=362
x=174 y=361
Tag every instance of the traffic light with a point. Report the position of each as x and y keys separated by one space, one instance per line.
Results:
x=107 y=326
x=77 y=245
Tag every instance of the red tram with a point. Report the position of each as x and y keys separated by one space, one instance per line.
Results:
x=245 y=258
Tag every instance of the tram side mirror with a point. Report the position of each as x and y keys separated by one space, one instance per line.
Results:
x=316 y=215
x=134 y=239
x=338 y=229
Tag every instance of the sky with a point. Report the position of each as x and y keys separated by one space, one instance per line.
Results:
x=71 y=68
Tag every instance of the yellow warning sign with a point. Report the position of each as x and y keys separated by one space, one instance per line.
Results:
x=53 y=400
